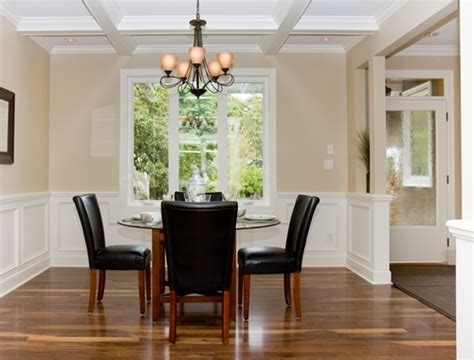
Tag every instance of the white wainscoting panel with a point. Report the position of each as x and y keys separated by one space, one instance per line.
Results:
x=368 y=237
x=326 y=242
x=24 y=238
x=68 y=247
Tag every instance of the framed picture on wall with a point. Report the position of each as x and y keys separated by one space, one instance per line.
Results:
x=7 y=125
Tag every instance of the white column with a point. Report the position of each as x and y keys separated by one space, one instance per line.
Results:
x=463 y=230
x=377 y=126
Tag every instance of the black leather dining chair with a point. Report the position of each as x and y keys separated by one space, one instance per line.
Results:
x=215 y=196
x=200 y=240
x=114 y=257
x=277 y=260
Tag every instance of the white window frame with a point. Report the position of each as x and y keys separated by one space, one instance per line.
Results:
x=130 y=76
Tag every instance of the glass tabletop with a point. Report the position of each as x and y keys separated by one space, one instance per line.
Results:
x=242 y=224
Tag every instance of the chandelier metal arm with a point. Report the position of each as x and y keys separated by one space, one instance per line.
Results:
x=199 y=76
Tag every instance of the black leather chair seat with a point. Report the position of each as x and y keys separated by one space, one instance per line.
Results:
x=123 y=257
x=265 y=260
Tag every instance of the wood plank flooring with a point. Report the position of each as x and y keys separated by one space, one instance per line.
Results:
x=344 y=317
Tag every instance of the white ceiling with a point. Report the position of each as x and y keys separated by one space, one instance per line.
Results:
x=262 y=26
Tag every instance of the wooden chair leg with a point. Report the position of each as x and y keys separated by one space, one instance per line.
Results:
x=173 y=301
x=240 y=285
x=287 y=286
x=141 y=290
x=297 y=294
x=148 y=284
x=100 y=295
x=92 y=289
x=246 y=295
x=225 y=317
x=162 y=267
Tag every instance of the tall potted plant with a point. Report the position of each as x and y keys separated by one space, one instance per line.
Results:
x=363 y=149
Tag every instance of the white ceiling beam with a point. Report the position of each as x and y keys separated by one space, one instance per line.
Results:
x=153 y=24
x=347 y=25
x=107 y=15
x=53 y=26
x=271 y=45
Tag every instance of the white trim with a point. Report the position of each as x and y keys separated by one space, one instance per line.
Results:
x=144 y=25
x=36 y=26
x=360 y=25
x=9 y=15
x=210 y=48
x=448 y=79
x=391 y=8
x=80 y=49
x=107 y=15
x=128 y=76
x=312 y=49
x=430 y=50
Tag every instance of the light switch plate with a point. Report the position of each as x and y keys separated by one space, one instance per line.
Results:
x=330 y=149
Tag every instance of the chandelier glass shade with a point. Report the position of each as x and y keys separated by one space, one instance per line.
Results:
x=196 y=76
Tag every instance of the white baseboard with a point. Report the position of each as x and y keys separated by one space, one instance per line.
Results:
x=373 y=277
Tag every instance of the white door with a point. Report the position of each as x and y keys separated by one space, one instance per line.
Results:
x=417 y=178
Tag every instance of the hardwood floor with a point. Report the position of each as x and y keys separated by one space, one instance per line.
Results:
x=344 y=317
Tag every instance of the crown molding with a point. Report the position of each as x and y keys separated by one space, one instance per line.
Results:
x=182 y=49
x=312 y=49
x=43 y=43
x=430 y=50
x=226 y=24
x=77 y=25
x=9 y=15
x=83 y=49
x=360 y=25
x=389 y=10
x=352 y=42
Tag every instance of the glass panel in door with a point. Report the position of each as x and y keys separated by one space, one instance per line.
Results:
x=411 y=167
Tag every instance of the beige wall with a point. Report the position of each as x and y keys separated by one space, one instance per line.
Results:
x=440 y=63
x=24 y=69
x=311 y=112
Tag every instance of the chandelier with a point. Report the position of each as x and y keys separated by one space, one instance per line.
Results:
x=197 y=75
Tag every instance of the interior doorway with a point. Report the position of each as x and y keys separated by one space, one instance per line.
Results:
x=417 y=177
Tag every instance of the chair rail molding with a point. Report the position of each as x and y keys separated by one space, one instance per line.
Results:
x=24 y=238
x=348 y=230
x=368 y=237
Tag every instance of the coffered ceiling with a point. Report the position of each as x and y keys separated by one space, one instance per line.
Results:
x=147 y=26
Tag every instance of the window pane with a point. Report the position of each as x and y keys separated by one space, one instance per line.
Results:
x=411 y=164
x=245 y=140
x=150 y=151
x=414 y=87
x=198 y=138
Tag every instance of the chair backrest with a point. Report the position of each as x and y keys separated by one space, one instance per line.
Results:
x=179 y=196
x=89 y=213
x=215 y=196
x=200 y=240
x=300 y=223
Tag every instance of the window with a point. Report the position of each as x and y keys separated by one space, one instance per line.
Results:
x=229 y=136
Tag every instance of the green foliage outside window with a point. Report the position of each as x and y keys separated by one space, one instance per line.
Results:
x=198 y=139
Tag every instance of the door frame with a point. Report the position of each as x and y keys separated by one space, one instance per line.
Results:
x=448 y=81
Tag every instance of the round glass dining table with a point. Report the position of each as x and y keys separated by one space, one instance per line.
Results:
x=158 y=258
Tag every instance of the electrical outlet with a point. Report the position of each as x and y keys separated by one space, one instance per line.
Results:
x=328 y=164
